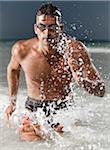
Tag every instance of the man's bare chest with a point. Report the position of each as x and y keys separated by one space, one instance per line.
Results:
x=43 y=68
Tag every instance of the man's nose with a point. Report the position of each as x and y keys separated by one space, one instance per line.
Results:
x=47 y=31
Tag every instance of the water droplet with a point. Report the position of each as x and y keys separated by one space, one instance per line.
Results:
x=88 y=72
x=101 y=88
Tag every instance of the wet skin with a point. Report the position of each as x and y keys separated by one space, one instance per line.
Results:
x=47 y=75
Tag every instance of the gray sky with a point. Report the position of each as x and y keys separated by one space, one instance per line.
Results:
x=85 y=20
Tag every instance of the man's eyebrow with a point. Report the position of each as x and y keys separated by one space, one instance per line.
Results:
x=41 y=24
x=48 y=25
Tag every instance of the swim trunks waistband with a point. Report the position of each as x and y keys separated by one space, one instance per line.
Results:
x=32 y=105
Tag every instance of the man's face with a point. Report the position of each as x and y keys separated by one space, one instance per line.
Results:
x=48 y=29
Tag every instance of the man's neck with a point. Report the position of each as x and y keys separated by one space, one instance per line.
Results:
x=47 y=50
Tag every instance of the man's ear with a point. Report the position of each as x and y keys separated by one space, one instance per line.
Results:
x=35 y=29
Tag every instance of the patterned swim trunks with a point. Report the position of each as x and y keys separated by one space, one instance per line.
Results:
x=49 y=107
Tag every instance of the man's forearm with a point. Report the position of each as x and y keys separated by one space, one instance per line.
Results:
x=13 y=83
x=96 y=87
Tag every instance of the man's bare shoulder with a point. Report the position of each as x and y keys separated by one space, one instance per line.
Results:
x=30 y=43
x=76 y=46
x=77 y=50
x=21 y=48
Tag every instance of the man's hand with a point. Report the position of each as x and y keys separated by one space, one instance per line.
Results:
x=9 y=110
x=29 y=131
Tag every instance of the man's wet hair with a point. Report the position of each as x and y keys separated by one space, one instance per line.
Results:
x=49 y=9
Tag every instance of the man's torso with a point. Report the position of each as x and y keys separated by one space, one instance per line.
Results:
x=46 y=78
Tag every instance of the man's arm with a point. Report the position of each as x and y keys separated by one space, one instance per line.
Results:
x=13 y=72
x=83 y=71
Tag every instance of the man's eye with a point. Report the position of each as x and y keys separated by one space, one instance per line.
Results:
x=41 y=27
x=53 y=27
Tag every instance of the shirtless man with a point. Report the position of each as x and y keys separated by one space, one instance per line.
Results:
x=44 y=66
